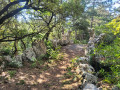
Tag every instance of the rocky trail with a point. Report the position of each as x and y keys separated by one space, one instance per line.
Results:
x=47 y=76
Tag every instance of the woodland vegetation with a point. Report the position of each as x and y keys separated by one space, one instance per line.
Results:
x=24 y=22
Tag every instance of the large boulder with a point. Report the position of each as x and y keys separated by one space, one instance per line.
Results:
x=29 y=55
x=39 y=48
x=18 y=60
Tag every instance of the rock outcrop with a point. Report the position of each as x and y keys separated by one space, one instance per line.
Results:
x=39 y=48
x=86 y=70
x=29 y=55
x=89 y=80
x=93 y=42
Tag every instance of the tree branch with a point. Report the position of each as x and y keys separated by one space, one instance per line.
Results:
x=19 y=38
x=12 y=13
x=9 y=5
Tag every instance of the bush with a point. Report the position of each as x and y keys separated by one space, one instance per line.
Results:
x=5 y=51
x=76 y=41
x=111 y=54
x=51 y=52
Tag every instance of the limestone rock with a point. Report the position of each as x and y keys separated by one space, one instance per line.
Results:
x=18 y=60
x=64 y=42
x=55 y=42
x=87 y=68
x=90 y=87
x=82 y=60
x=89 y=78
x=39 y=48
x=7 y=58
x=115 y=88
x=29 y=54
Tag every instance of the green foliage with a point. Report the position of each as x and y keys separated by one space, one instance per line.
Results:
x=111 y=55
x=76 y=41
x=6 y=48
x=114 y=26
x=72 y=8
x=101 y=73
x=84 y=41
x=118 y=85
x=109 y=49
x=5 y=51
x=14 y=64
x=110 y=52
x=51 y=52
x=33 y=65
x=81 y=28
x=12 y=73
x=38 y=62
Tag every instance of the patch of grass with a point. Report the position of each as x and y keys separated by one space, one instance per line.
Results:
x=66 y=82
x=74 y=61
x=33 y=65
x=118 y=85
x=12 y=73
x=69 y=74
x=60 y=56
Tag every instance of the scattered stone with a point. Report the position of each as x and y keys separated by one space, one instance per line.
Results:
x=89 y=78
x=90 y=87
x=86 y=68
x=115 y=88
x=82 y=60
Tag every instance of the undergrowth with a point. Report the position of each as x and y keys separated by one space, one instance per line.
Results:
x=110 y=57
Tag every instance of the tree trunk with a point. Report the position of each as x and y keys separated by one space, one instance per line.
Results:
x=15 y=46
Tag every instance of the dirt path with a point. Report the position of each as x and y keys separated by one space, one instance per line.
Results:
x=49 y=77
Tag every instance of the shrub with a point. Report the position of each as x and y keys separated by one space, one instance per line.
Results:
x=111 y=54
x=12 y=73
x=51 y=52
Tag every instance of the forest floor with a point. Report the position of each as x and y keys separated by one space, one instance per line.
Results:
x=52 y=75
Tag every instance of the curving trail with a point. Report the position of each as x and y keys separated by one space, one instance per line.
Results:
x=50 y=76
